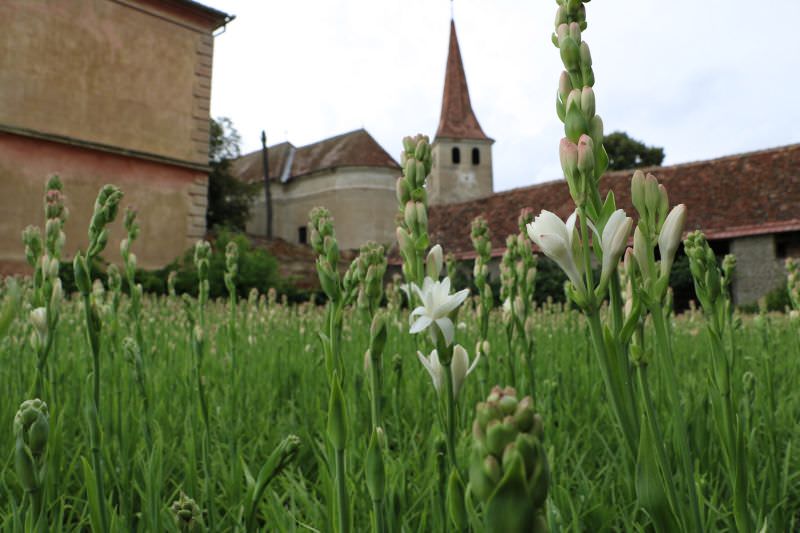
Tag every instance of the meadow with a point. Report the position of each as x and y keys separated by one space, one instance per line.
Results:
x=408 y=406
x=270 y=383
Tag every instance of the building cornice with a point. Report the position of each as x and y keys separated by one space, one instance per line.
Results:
x=100 y=147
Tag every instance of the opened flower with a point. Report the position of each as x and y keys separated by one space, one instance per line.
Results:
x=437 y=304
x=614 y=241
x=460 y=368
x=558 y=241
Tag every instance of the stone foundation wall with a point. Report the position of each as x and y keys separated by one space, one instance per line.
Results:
x=758 y=270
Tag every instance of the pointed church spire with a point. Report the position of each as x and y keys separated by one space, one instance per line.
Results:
x=457 y=120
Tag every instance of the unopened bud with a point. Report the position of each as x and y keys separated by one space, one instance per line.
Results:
x=638 y=192
x=434 y=262
x=586 y=155
x=587 y=102
x=39 y=320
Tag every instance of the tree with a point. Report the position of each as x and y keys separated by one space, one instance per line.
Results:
x=229 y=199
x=625 y=153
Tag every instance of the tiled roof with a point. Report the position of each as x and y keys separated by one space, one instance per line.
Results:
x=457 y=119
x=735 y=196
x=353 y=149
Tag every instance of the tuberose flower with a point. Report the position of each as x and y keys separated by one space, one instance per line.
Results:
x=437 y=304
x=670 y=237
x=460 y=368
x=557 y=241
x=614 y=241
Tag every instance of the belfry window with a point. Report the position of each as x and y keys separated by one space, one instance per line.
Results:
x=476 y=156
x=456 y=155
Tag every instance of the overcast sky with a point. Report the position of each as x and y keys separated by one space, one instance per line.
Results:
x=702 y=79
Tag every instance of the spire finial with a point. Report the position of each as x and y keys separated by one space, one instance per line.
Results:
x=451 y=10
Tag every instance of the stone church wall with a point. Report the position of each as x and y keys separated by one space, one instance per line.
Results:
x=361 y=200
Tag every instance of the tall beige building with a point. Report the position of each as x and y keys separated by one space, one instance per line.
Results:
x=102 y=91
x=462 y=152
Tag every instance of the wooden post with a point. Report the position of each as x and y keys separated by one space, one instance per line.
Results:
x=267 y=194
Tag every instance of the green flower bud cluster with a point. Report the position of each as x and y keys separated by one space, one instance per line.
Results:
x=394 y=297
x=129 y=259
x=202 y=257
x=412 y=230
x=105 y=211
x=711 y=283
x=370 y=269
x=323 y=241
x=188 y=516
x=793 y=281
x=231 y=266
x=451 y=265
x=55 y=213
x=583 y=157
x=482 y=242
x=31 y=430
x=508 y=467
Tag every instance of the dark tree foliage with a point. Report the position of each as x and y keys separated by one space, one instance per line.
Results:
x=626 y=153
x=228 y=198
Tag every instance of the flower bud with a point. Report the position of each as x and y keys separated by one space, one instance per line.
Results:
x=337 y=416
x=422 y=217
x=564 y=86
x=434 y=262
x=587 y=102
x=570 y=53
x=670 y=237
x=638 y=193
x=586 y=155
x=376 y=478
x=575 y=31
x=403 y=191
x=410 y=215
x=39 y=320
x=82 y=279
x=378 y=334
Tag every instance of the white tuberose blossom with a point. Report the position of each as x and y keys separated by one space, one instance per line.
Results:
x=558 y=242
x=614 y=240
x=460 y=368
x=437 y=303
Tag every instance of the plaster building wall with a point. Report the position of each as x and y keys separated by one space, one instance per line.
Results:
x=451 y=182
x=758 y=269
x=163 y=202
x=361 y=200
x=133 y=76
x=106 y=91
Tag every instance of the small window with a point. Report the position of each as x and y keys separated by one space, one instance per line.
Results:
x=476 y=156
x=787 y=245
x=456 y=155
x=302 y=235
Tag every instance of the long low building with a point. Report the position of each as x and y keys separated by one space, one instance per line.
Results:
x=746 y=204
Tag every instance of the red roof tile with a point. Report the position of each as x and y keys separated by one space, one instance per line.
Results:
x=353 y=149
x=735 y=196
x=457 y=119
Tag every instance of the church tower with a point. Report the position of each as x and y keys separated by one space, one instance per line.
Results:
x=462 y=152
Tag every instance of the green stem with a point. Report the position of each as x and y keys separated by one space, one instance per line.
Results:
x=94 y=435
x=380 y=521
x=375 y=382
x=341 y=494
x=679 y=421
x=621 y=410
x=658 y=444
x=450 y=418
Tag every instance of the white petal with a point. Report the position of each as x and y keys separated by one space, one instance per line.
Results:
x=452 y=302
x=613 y=224
x=447 y=329
x=474 y=363
x=433 y=367
x=422 y=322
